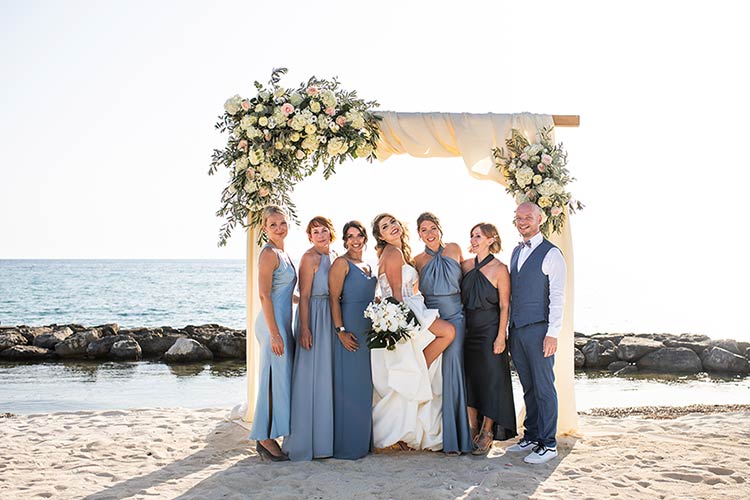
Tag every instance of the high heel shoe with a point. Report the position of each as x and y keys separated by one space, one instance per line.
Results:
x=265 y=453
x=483 y=450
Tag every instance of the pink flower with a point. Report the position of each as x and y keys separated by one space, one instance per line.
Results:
x=263 y=192
x=312 y=90
x=546 y=159
x=541 y=167
x=556 y=211
x=524 y=157
x=250 y=173
x=340 y=120
x=330 y=111
x=242 y=145
x=245 y=105
x=531 y=195
x=287 y=109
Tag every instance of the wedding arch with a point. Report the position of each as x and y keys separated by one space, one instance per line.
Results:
x=472 y=137
x=281 y=136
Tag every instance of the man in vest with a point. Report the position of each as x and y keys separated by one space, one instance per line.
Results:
x=537 y=293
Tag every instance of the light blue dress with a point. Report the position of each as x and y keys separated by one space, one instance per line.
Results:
x=439 y=282
x=272 y=407
x=352 y=379
x=312 y=378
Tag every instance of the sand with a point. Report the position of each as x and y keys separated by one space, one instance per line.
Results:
x=197 y=454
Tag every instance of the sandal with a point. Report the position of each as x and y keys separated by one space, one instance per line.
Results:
x=483 y=450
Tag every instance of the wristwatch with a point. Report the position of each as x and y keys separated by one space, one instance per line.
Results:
x=340 y=329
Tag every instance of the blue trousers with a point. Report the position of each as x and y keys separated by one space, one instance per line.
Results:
x=538 y=382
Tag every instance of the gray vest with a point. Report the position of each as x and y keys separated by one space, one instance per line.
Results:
x=529 y=287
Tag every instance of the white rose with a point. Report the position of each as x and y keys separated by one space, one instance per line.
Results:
x=250 y=187
x=262 y=121
x=233 y=105
x=241 y=163
x=310 y=143
x=315 y=106
x=255 y=156
x=548 y=187
x=524 y=176
x=246 y=122
x=537 y=179
x=310 y=129
x=268 y=172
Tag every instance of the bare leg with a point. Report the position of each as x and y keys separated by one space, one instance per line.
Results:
x=473 y=423
x=444 y=333
x=485 y=438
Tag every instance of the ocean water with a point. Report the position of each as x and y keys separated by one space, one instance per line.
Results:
x=130 y=293
x=180 y=292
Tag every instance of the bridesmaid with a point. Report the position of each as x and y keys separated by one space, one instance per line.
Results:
x=312 y=378
x=352 y=288
x=485 y=292
x=273 y=330
x=439 y=269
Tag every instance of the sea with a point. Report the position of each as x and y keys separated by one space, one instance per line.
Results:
x=177 y=293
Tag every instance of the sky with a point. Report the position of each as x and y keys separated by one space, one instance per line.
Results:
x=107 y=114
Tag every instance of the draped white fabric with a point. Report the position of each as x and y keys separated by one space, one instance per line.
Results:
x=472 y=137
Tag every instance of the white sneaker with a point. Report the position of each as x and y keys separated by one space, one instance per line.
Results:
x=541 y=455
x=522 y=445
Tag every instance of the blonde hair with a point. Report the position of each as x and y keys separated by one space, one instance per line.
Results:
x=430 y=217
x=268 y=211
x=489 y=231
x=380 y=243
x=320 y=221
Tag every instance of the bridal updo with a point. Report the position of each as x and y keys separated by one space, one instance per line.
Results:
x=381 y=243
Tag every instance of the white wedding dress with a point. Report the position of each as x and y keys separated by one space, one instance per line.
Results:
x=407 y=400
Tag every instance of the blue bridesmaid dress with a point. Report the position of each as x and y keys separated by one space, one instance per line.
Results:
x=272 y=407
x=312 y=378
x=352 y=379
x=439 y=282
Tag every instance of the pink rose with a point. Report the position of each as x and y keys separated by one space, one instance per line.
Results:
x=541 y=167
x=245 y=105
x=250 y=173
x=263 y=192
x=313 y=90
x=556 y=211
x=340 y=120
x=547 y=159
x=330 y=111
x=524 y=157
x=287 y=109
x=242 y=145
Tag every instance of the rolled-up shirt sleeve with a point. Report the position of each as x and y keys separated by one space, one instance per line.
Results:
x=554 y=267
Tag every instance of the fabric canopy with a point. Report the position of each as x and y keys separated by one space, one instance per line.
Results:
x=472 y=137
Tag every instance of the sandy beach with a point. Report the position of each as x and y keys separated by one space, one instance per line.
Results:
x=696 y=453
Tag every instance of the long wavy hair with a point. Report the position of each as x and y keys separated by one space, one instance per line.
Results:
x=380 y=243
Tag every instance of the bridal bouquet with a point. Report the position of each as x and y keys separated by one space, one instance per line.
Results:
x=280 y=136
x=392 y=321
x=537 y=173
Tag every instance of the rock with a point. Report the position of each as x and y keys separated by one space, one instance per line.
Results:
x=626 y=370
x=634 y=348
x=50 y=339
x=747 y=353
x=671 y=360
x=9 y=338
x=100 y=348
x=205 y=333
x=186 y=350
x=73 y=326
x=580 y=342
x=579 y=334
x=228 y=345
x=125 y=350
x=26 y=352
x=726 y=344
x=579 y=358
x=155 y=344
x=615 y=338
x=108 y=329
x=599 y=354
x=76 y=344
x=717 y=359
x=616 y=366
x=696 y=346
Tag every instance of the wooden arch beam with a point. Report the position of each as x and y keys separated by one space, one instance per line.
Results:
x=566 y=120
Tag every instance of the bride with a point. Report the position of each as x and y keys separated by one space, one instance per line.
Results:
x=408 y=383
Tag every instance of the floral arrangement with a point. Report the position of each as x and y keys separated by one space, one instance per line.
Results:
x=392 y=321
x=281 y=136
x=537 y=173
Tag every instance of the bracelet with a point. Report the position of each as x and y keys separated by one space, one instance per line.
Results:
x=340 y=329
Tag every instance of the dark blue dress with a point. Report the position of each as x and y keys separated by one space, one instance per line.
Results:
x=439 y=282
x=352 y=380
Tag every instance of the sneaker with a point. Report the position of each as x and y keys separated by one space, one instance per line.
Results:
x=541 y=455
x=522 y=445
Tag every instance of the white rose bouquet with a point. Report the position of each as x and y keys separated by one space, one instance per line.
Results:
x=285 y=134
x=538 y=173
x=392 y=321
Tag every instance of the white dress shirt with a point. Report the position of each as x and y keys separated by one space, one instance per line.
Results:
x=554 y=267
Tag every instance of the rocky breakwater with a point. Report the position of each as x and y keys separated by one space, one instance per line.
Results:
x=110 y=342
x=627 y=353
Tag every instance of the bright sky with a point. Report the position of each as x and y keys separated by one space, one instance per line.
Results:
x=107 y=113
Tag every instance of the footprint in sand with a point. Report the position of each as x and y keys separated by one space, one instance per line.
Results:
x=680 y=476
